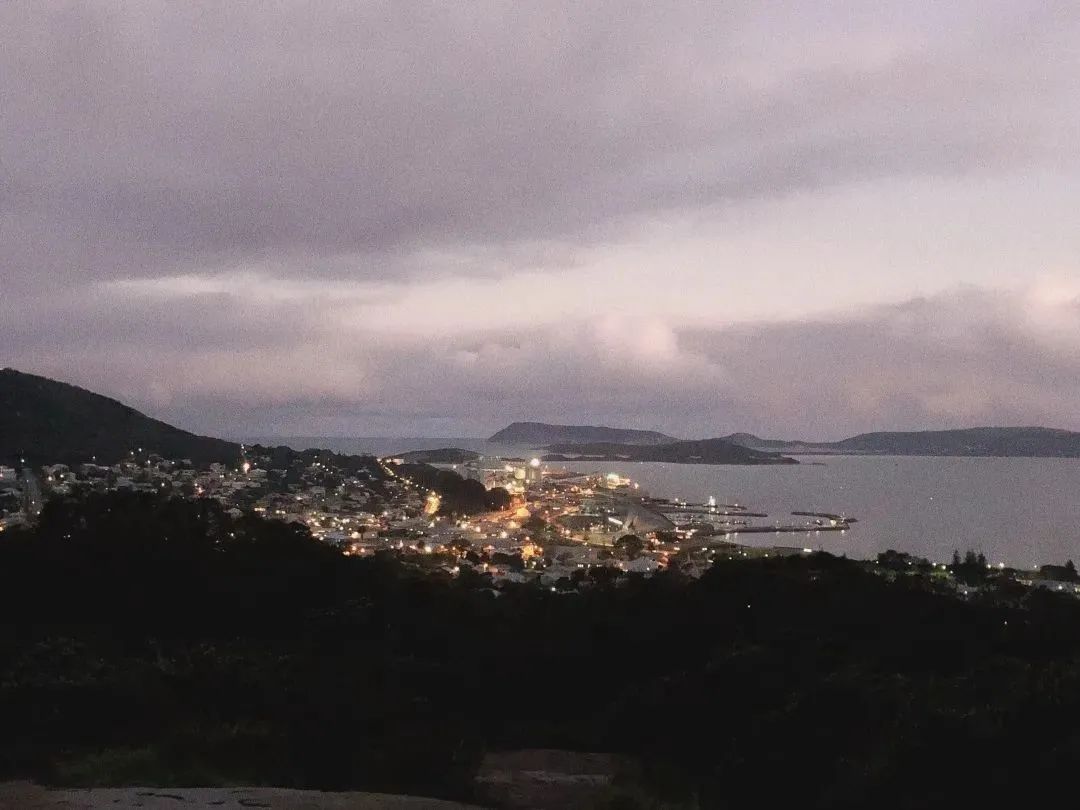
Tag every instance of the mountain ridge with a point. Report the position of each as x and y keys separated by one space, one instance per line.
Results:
x=980 y=442
x=45 y=421
x=699 y=451
x=48 y=421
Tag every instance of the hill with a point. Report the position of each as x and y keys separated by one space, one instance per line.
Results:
x=45 y=421
x=537 y=433
x=984 y=441
x=702 y=451
x=1030 y=442
x=750 y=440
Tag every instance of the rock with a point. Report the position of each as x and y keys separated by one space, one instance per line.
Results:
x=27 y=796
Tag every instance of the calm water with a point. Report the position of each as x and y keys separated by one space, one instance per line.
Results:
x=1019 y=511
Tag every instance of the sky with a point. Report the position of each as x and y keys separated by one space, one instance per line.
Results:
x=355 y=218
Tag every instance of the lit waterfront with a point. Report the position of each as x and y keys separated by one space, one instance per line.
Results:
x=1021 y=511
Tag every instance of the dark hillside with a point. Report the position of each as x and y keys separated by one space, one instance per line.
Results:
x=160 y=641
x=45 y=421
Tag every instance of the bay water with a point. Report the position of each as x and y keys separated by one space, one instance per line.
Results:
x=1019 y=511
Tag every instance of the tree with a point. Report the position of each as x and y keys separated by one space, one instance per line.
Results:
x=534 y=524
x=631 y=545
x=497 y=499
x=512 y=561
x=972 y=571
x=897 y=560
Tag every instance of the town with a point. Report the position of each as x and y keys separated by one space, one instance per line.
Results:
x=533 y=522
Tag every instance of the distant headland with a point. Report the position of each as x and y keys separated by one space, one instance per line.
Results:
x=542 y=433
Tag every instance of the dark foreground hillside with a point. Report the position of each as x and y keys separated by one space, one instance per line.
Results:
x=150 y=640
x=47 y=422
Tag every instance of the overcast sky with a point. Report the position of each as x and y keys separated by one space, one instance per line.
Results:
x=800 y=219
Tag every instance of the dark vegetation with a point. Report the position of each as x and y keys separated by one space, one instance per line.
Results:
x=460 y=496
x=159 y=640
x=50 y=422
x=1035 y=442
x=442 y=455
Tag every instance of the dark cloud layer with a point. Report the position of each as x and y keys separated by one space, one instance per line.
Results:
x=179 y=179
x=967 y=358
x=142 y=137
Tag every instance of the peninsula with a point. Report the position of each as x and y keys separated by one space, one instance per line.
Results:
x=702 y=451
x=48 y=421
x=1018 y=442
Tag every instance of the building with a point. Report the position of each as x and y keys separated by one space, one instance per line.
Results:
x=534 y=474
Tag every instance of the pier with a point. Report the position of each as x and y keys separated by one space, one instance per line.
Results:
x=827 y=516
x=704 y=510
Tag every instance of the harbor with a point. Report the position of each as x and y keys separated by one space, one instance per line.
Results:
x=730 y=520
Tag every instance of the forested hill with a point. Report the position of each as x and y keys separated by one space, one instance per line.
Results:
x=984 y=441
x=45 y=421
x=1034 y=442
x=539 y=433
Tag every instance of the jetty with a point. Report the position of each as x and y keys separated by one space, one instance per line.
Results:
x=827 y=516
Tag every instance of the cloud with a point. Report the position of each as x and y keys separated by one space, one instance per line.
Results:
x=374 y=140
x=961 y=359
x=384 y=217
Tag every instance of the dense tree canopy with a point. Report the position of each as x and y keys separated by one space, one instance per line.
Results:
x=159 y=639
x=459 y=495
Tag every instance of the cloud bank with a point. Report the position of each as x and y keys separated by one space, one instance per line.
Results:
x=969 y=357
x=435 y=218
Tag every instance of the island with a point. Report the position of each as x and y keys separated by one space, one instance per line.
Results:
x=542 y=433
x=1007 y=442
x=702 y=451
x=443 y=455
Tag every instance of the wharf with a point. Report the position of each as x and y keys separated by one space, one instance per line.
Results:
x=781 y=529
x=704 y=510
x=827 y=516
